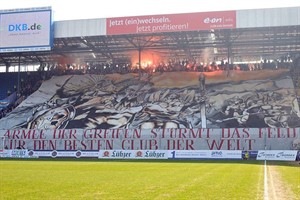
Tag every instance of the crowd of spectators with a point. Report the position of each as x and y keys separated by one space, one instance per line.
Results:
x=6 y=110
x=179 y=66
x=28 y=85
x=169 y=66
x=295 y=74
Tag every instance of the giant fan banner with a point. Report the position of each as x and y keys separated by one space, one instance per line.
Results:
x=152 y=139
x=219 y=99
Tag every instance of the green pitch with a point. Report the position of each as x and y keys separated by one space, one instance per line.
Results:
x=98 y=179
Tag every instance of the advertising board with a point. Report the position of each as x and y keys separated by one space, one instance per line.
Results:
x=133 y=154
x=171 y=23
x=205 y=154
x=277 y=155
x=26 y=30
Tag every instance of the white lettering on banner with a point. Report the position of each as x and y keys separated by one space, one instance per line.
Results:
x=115 y=23
x=212 y=20
x=276 y=155
x=151 y=20
x=152 y=139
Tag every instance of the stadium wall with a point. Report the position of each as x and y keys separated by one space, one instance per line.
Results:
x=268 y=17
x=78 y=28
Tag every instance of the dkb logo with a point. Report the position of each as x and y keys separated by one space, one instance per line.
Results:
x=24 y=27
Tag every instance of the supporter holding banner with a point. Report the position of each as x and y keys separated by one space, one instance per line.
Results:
x=3 y=104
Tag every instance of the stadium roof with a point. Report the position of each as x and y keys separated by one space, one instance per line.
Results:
x=266 y=33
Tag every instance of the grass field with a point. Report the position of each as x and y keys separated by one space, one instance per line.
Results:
x=98 y=179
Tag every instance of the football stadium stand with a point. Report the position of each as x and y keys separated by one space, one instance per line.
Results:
x=234 y=73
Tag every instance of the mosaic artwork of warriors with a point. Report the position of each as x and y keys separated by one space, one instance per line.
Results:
x=157 y=101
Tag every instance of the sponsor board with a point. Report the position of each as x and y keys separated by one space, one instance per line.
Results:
x=26 y=30
x=226 y=154
x=75 y=154
x=133 y=154
x=19 y=153
x=171 y=22
x=276 y=155
x=188 y=154
x=14 y=153
x=65 y=154
x=71 y=154
x=205 y=154
x=87 y=154
x=152 y=154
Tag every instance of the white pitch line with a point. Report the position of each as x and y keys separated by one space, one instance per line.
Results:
x=266 y=194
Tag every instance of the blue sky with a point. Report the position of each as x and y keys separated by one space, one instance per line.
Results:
x=77 y=9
